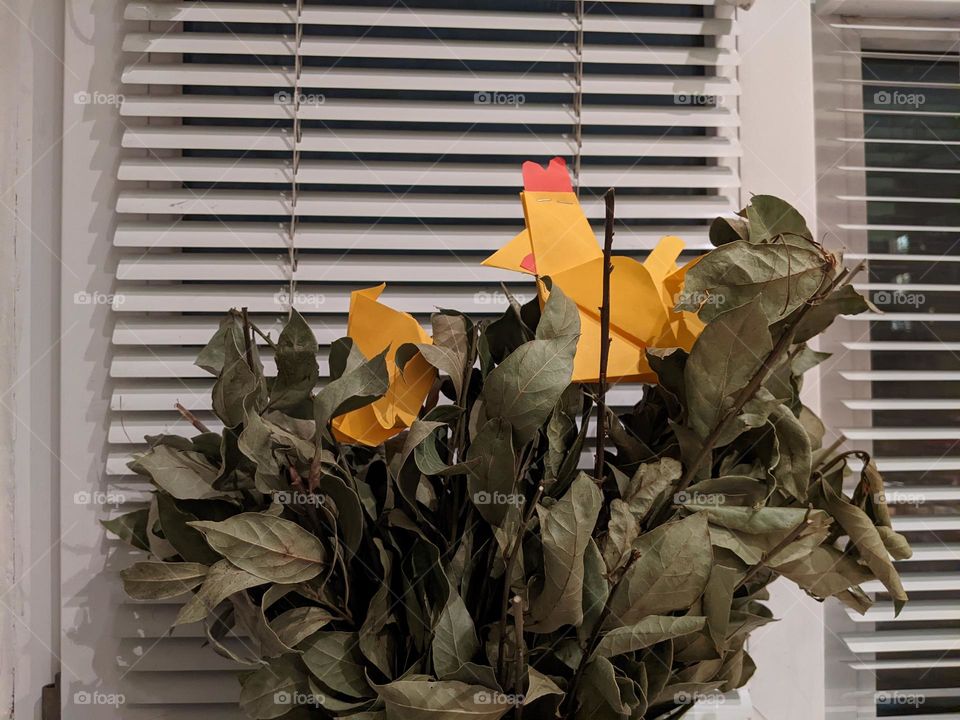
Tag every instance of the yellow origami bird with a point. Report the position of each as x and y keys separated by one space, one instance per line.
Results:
x=558 y=242
x=374 y=327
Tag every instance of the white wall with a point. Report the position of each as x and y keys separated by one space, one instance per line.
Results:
x=777 y=134
x=31 y=34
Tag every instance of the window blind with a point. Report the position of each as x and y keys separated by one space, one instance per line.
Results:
x=281 y=154
x=902 y=385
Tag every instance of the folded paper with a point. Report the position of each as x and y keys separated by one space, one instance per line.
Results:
x=559 y=243
x=375 y=327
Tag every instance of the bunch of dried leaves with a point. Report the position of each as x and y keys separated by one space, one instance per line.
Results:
x=468 y=568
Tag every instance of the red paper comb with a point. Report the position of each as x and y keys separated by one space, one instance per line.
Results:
x=552 y=179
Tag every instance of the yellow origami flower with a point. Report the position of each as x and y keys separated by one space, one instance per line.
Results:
x=374 y=327
x=558 y=242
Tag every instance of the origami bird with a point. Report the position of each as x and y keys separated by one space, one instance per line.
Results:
x=558 y=242
x=374 y=327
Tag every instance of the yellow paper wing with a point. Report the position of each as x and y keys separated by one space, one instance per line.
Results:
x=375 y=327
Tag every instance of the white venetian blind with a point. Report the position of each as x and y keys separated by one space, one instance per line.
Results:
x=902 y=382
x=284 y=151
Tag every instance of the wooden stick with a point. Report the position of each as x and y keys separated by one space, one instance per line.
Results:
x=518 y=657
x=604 y=336
x=191 y=418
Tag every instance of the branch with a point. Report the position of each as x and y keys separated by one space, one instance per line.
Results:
x=769 y=362
x=509 y=562
x=191 y=418
x=518 y=659
x=604 y=337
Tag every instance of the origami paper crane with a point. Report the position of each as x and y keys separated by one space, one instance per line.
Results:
x=374 y=327
x=558 y=242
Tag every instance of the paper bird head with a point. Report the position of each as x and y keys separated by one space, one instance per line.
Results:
x=375 y=327
x=559 y=243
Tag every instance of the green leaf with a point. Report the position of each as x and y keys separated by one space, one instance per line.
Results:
x=454 y=637
x=131 y=528
x=269 y=547
x=566 y=529
x=598 y=697
x=648 y=483
x=868 y=542
x=717 y=601
x=222 y=581
x=780 y=278
x=539 y=685
x=211 y=357
x=442 y=700
x=671 y=573
x=236 y=382
x=596 y=589
x=724 y=358
x=491 y=475
x=771 y=217
x=356 y=388
x=622 y=529
x=647 y=632
x=843 y=301
x=526 y=386
x=793 y=470
x=256 y=443
x=189 y=543
x=161 y=581
x=334 y=659
x=270 y=691
x=184 y=475
x=376 y=642
x=297 y=369
x=450 y=351
x=725 y=230
x=294 y=625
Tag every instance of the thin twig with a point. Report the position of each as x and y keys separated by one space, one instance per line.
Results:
x=604 y=337
x=191 y=418
x=518 y=655
x=248 y=340
x=509 y=562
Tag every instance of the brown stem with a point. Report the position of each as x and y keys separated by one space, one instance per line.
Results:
x=191 y=418
x=593 y=641
x=769 y=362
x=248 y=340
x=604 y=336
x=791 y=536
x=509 y=562
x=518 y=658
